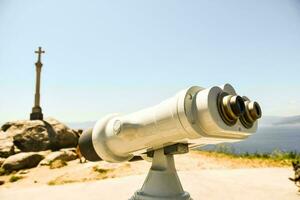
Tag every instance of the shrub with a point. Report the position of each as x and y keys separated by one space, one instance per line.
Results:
x=15 y=178
x=2 y=171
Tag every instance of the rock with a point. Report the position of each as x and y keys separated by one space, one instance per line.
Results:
x=65 y=137
x=23 y=172
x=2 y=161
x=40 y=135
x=33 y=136
x=45 y=153
x=17 y=150
x=64 y=155
x=6 y=149
x=5 y=126
x=22 y=161
x=69 y=149
x=2 y=182
x=6 y=145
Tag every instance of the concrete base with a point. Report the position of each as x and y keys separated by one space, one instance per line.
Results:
x=36 y=114
x=162 y=182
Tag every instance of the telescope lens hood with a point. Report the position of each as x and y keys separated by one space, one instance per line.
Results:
x=86 y=146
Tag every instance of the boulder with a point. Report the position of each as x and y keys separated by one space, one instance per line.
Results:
x=22 y=161
x=40 y=135
x=64 y=155
x=2 y=161
x=5 y=126
x=64 y=137
x=6 y=145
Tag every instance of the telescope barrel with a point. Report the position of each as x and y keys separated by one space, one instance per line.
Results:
x=196 y=116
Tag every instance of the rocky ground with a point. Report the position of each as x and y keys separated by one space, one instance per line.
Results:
x=74 y=171
x=61 y=167
x=201 y=174
x=26 y=144
x=38 y=161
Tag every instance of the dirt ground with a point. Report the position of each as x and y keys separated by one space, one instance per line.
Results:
x=201 y=175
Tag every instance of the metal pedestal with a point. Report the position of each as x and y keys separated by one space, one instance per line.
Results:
x=162 y=182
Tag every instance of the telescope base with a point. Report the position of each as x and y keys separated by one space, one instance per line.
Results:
x=162 y=182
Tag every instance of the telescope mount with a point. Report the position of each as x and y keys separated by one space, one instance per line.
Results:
x=162 y=182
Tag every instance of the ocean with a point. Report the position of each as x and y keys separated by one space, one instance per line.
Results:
x=268 y=139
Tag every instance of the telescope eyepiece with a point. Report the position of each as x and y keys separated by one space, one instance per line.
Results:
x=254 y=110
x=252 y=113
x=237 y=105
x=230 y=107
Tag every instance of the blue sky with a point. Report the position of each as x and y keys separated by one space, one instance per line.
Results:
x=121 y=56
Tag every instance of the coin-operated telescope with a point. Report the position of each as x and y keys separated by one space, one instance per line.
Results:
x=194 y=117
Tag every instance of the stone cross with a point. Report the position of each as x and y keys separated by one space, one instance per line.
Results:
x=37 y=110
x=39 y=52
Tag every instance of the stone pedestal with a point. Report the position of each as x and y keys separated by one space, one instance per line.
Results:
x=36 y=113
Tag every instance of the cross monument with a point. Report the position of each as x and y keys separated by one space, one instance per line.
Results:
x=37 y=110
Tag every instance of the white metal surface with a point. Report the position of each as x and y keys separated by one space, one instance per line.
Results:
x=162 y=182
x=191 y=116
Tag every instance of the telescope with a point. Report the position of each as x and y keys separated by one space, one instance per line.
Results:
x=193 y=117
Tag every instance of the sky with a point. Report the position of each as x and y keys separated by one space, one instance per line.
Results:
x=121 y=56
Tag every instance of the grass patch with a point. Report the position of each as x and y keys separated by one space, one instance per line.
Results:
x=57 y=164
x=275 y=158
x=15 y=178
x=103 y=173
x=101 y=170
x=2 y=171
x=58 y=182
x=98 y=174
x=52 y=182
